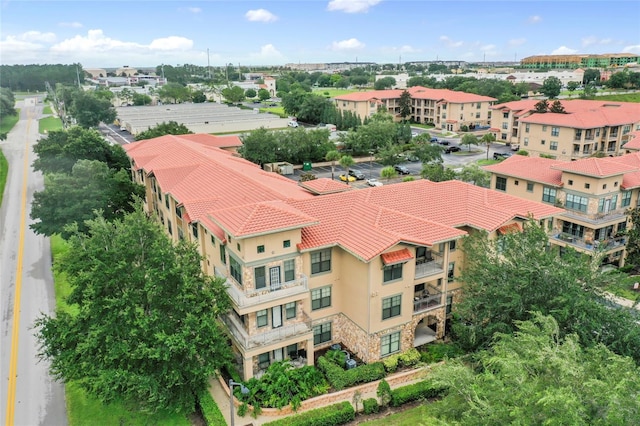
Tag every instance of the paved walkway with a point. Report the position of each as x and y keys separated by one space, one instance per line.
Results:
x=222 y=399
x=622 y=301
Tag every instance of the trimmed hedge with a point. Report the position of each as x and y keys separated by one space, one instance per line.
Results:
x=420 y=390
x=210 y=410
x=331 y=415
x=340 y=379
x=370 y=406
x=406 y=359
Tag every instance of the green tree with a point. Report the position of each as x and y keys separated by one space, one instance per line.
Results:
x=619 y=80
x=233 y=94
x=633 y=245
x=474 y=174
x=589 y=91
x=436 y=172
x=314 y=108
x=521 y=88
x=263 y=94
x=405 y=105
x=174 y=93
x=384 y=393
x=73 y=198
x=89 y=110
x=551 y=87
x=346 y=161
x=487 y=139
x=140 y=99
x=146 y=331
x=389 y=155
x=469 y=139
x=250 y=93
x=572 y=86
x=259 y=146
x=164 y=128
x=292 y=102
x=557 y=107
x=541 y=106
x=384 y=83
x=59 y=151
x=388 y=173
x=591 y=75
x=198 y=97
x=536 y=376
x=333 y=156
x=7 y=103
x=428 y=152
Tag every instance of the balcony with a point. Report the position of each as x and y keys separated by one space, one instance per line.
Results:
x=245 y=298
x=594 y=218
x=427 y=302
x=272 y=335
x=430 y=266
x=617 y=243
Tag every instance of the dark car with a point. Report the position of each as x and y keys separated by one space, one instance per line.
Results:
x=443 y=142
x=433 y=140
x=357 y=174
x=451 y=149
x=501 y=155
x=402 y=170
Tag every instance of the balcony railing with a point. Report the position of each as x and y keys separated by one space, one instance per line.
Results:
x=428 y=267
x=428 y=302
x=605 y=245
x=243 y=298
x=595 y=218
x=272 y=335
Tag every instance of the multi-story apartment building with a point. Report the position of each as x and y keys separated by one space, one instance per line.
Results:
x=446 y=109
x=316 y=263
x=595 y=193
x=580 y=61
x=584 y=129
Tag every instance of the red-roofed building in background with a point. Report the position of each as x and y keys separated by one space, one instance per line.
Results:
x=446 y=109
x=595 y=193
x=314 y=264
x=585 y=128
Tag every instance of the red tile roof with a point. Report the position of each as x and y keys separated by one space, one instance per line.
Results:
x=634 y=141
x=395 y=257
x=596 y=167
x=324 y=186
x=416 y=92
x=510 y=228
x=228 y=141
x=535 y=169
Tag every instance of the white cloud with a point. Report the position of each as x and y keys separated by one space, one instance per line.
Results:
x=194 y=9
x=20 y=51
x=260 y=15
x=351 y=6
x=171 y=43
x=517 y=42
x=70 y=24
x=405 y=49
x=37 y=36
x=267 y=53
x=564 y=50
x=534 y=19
x=593 y=40
x=450 y=43
x=350 y=44
x=632 y=49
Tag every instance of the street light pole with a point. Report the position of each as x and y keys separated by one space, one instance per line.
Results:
x=370 y=162
x=244 y=391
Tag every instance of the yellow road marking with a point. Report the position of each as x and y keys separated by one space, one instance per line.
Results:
x=13 y=363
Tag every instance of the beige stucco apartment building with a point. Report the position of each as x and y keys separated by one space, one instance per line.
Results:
x=595 y=193
x=313 y=264
x=446 y=109
x=584 y=129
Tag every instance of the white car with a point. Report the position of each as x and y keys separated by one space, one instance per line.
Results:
x=374 y=182
x=293 y=124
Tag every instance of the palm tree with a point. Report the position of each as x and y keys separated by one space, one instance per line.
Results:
x=388 y=172
x=487 y=139
x=332 y=156
x=347 y=161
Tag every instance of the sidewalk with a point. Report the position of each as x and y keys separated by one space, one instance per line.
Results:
x=622 y=301
x=221 y=398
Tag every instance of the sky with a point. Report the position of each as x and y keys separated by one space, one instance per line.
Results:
x=147 y=33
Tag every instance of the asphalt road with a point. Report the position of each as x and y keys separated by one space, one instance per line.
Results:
x=28 y=394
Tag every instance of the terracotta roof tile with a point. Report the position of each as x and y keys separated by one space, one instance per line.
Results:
x=536 y=169
x=416 y=92
x=634 y=141
x=510 y=228
x=395 y=257
x=324 y=186
x=598 y=167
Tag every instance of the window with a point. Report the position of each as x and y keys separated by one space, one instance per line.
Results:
x=194 y=230
x=544 y=128
x=573 y=229
x=501 y=183
x=477 y=115
x=587 y=185
x=390 y=343
x=505 y=125
x=578 y=135
x=604 y=186
x=451 y=272
x=166 y=202
x=180 y=234
x=626 y=129
x=529 y=186
x=159 y=195
x=286 y=243
x=553 y=146
x=626 y=199
x=321 y=261
x=322 y=333
x=223 y=254
x=320 y=298
x=542 y=142
x=289 y=270
x=505 y=115
x=391 y=307
x=264 y=361
x=555 y=131
x=576 y=202
x=236 y=269
x=393 y=272
x=169 y=227
x=238 y=247
x=516 y=182
x=449 y=304
x=260 y=249
x=260 y=277
x=262 y=318
x=290 y=310
x=622 y=226
x=549 y=195
x=526 y=128
x=452 y=245
x=526 y=141
x=606 y=205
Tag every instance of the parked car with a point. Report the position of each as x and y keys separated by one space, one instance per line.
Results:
x=501 y=155
x=344 y=178
x=433 y=140
x=515 y=147
x=443 y=142
x=402 y=170
x=293 y=124
x=374 y=182
x=414 y=134
x=451 y=149
x=357 y=174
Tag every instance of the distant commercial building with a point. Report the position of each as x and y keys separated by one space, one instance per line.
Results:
x=606 y=60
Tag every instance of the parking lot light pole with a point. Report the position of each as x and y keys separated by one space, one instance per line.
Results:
x=370 y=162
x=244 y=391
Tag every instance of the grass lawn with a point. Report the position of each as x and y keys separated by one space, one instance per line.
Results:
x=7 y=123
x=49 y=124
x=422 y=126
x=4 y=169
x=333 y=92
x=623 y=97
x=623 y=288
x=275 y=110
x=84 y=410
x=416 y=416
x=47 y=110
x=487 y=162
